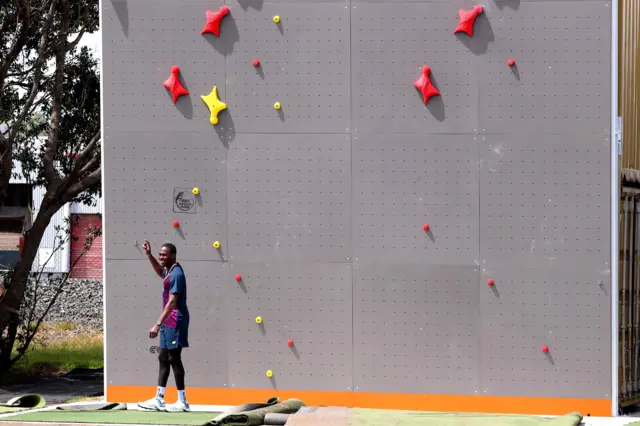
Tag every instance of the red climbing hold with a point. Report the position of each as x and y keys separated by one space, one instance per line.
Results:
x=256 y=63
x=290 y=343
x=467 y=18
x=545 y=348
x=238 y=277
x=213 y=21
x=175 y=224
x=490 y=282
x=423 y=84
x=511 y=62
x=174 y=85
x=425 y=227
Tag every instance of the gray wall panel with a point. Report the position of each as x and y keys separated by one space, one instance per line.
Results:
x=304 y=66
x=134 y=300
x=384 y=99
x=307 y=303
x=401 y=182
x=143 y=207
x=565 y=309
x=143 y=42
x=415 y=328
x=289 y=198
x=560 y=83
x=544 y=200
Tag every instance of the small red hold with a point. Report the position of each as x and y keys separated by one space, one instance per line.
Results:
x=175 y=224
x=467 y=19
x=490 y=282
x=511 y=62
x=213 y=21
x=238 y=277
x=423 y=84
x=174 y=85
x=425 y=227
x=290 y=343
x=545 y=348
x=256 y=63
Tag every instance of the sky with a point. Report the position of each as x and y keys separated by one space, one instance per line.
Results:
x=93 y=41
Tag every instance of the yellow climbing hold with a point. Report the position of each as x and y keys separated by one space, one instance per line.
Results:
x=195 y=191
x=269 y=373
x=276 y=19
x=276 y=105
x=214 y=104
x=258 y=320
x=216 y=244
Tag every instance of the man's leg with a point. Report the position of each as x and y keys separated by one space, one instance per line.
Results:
x=157 y=403
x=175 y=359
x=163 y=371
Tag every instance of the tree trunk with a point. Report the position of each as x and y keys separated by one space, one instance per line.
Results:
x=10 y=305
x=6 y=166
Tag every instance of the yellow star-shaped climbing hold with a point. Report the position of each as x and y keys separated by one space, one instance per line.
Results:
x=215 y=105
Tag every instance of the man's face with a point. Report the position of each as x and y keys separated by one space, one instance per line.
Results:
x=165 y=257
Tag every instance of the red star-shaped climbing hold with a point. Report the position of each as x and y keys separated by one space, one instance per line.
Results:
x=423 y=84
x=213 y=21
x=174 y=85
x=467 y=18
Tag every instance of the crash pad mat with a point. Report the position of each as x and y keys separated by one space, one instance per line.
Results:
x=111 y=417
x=373 y=417
x=30 y=401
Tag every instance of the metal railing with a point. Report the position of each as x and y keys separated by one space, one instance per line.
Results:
x=629 y=299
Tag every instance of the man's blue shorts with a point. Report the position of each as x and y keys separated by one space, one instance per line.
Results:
x=172 y=338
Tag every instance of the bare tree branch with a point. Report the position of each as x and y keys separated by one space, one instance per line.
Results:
x=75 y=42
x=38 y=73
x=91 y=165
x=20 y=41
x=90 y=181
x=51 y=174
x=84 y=155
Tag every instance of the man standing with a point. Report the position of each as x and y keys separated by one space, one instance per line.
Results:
x=173 y=327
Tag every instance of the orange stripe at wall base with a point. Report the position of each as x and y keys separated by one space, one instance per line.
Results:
x=393 y=401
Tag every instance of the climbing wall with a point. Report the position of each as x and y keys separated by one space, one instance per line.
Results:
x=393 y=204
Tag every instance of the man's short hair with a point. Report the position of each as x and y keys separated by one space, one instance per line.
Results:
x=172 y=249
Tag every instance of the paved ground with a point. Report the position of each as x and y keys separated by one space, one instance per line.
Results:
x=77 y=383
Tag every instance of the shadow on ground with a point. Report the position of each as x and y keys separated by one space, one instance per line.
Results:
x=81 y=382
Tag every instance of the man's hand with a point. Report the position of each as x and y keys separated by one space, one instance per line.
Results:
x=154 y=331
x=146 y=247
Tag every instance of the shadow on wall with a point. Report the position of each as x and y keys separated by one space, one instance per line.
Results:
x=122 y=11
x=436 y=103
x=482 y=36
x=513 y=4
x=228 y=27
x=246 y=4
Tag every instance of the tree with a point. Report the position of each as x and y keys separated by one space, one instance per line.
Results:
x=49 y=120
x=34 y=308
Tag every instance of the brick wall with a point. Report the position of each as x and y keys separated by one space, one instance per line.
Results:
x=90 y=265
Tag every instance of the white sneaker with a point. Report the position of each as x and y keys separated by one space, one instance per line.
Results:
x=155 y=404
x=178 y=407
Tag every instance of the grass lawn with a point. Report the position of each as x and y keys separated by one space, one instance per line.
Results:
x=61 y=348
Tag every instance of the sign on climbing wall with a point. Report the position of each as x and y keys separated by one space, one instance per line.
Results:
x=184 y=200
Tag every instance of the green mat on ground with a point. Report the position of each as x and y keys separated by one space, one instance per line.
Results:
x=29 y=401
x=371 y=417
x=120 y=416
x=253 y=415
